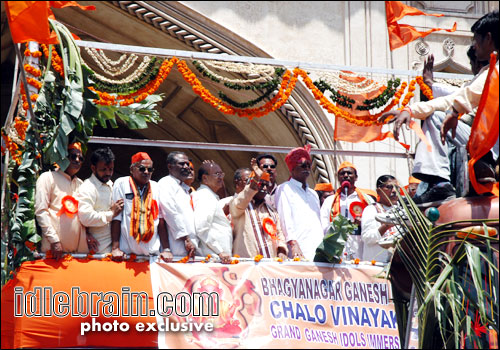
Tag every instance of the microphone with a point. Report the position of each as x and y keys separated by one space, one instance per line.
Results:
x=346 y=185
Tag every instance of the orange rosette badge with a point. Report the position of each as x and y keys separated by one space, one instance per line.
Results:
x=270 y=228
x=69 y=206
x=356 y=209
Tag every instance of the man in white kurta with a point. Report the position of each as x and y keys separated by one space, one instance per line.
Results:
x=61 y=233
x=96 y=208
x=213 y=229
x=175 y=206
x=298 y=207
x=372 y=230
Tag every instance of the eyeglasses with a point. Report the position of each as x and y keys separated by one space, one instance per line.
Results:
x=268 y=166
x=143 y=169
x=74 y=157
x=218 y=174
x=389 y=187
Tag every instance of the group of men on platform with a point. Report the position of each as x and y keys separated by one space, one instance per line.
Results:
x=137 y=215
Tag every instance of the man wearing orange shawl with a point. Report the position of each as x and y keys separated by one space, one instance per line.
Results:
x=340 y=203
x=55 y=207
x=135 y=229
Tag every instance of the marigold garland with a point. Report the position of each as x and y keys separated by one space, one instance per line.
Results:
x=56 y=60
x=257 y=258
x=426 y=90
x=34 y=54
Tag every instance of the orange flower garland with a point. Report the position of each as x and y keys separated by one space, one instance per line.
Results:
x=426 y=90
x=13 y=148
x=34 y=54
x=257 y=258
x=56 y=60
x=356 y=261
x=21 y=125
x=32 y=70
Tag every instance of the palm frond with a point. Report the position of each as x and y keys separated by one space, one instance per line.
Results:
x=457 y=291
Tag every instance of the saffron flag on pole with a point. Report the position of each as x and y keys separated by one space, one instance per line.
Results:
x=402 y=34
x=484 y=131
x=28 y=20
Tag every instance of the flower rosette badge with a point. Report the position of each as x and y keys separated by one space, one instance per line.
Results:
x=356 y=209
x=270 y=228
x=238 y=304
x=69 y=206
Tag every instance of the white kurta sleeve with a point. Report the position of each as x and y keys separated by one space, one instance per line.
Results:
x=370 y=234
x=42 y=205
x=87 y=198
x=285 y=212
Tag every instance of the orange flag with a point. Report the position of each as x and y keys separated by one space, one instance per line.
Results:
x=402 y=34
x=28 y=20
x=484 y=131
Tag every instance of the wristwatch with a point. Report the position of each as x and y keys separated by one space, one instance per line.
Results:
x=166 y=250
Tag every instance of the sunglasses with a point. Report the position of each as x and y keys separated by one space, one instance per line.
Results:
x=142 y=169
x=305 y=165
x=268 y=166
x=74 y=157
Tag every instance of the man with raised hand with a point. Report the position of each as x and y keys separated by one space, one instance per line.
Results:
x=257 y=228
x=56 y=207
x=213 y=228
x=175 y=206
x=298 y=206
x=95 y=207
x=441 y=115
x=135 y=229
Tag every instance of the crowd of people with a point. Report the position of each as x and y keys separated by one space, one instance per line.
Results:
x=136 y=215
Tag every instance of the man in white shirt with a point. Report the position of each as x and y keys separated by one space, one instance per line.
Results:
x=433 y=167
x=340 y=203
x=55 y=207
x=135 y=229
x=298 y=207
x=213 y=229
x=373 y=230
x=175 y=206
x=95 y=207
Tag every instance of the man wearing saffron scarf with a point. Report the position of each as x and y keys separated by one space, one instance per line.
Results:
x=340 y=203
x=135 y=229
x=55 y=212
x=257 y=228
x=298 y=206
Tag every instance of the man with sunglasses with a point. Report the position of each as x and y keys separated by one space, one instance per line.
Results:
x=176 y=210
x=298 y=206
x=213 y=229
x=62 y=231
x=257 y=228
x=268 y=163
x=135 y=229
x=96 y=209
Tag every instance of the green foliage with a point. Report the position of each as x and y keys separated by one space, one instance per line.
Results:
x=64 y=112
x=451 y=287
x=330 y=250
